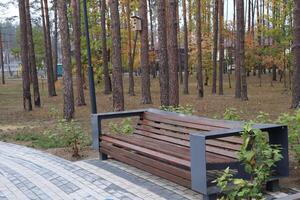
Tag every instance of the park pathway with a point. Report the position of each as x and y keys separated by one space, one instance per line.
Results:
x=26 y=173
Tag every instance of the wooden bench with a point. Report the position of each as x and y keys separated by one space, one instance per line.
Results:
x=187 y=150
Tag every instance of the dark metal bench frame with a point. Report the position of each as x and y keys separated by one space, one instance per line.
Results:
x=278 y=135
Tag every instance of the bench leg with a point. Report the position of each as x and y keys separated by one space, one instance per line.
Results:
x=273 y=185
x=242 y=173
x=103 y=156
x=198 y=164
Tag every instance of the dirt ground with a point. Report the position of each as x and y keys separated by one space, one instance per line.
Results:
x=273 y=100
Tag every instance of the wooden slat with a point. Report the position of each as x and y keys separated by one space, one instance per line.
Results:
x=155 y=145
x=163 y=138
x=166 y=126
x=196 y=120
x=162 y=132
x=148 y=152
x=222 y=152
x=197 y=126
x=148 y=168
x=183 y=173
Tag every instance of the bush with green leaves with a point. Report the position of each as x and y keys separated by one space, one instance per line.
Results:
x=231 y=114
x=293 y=122
x=258 y=158
x=187 y=109
x=125 y=127
x=72 y=134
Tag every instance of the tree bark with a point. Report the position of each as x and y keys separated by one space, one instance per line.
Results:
x=66 y=60
x=186 y=51
x=172 y=42
x=296 y=49
x=199 y=50
x=130 y=53
x=117 y=79
x=107 y=82
x=162 y=53
x=241 y=50
x=221 y=47
x=24 y=57
x=55 y=39
x=215 y=50
x=31 y=56
x=48 y=51
x=146 y=93
x=1 y=59
x=80 y=100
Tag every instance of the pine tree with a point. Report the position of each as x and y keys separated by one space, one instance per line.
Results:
x=80 y=100
x=24 y=57
x=66 y=60
x=117 y=79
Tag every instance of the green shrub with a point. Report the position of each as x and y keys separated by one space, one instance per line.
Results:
x=262 y=117
x=293 y=122
x=125 y=127
x=72 y=134
x=258 y=158
x=231 y=114
x=187 y=109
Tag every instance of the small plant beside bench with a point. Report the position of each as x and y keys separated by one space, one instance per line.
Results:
x=188 y=150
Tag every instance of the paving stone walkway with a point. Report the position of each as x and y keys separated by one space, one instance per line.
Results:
x=26 y=173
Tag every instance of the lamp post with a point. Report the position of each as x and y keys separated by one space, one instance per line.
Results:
x=89 y=57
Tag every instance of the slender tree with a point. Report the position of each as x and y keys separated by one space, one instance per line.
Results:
x=237 y=62
x=117 y=79
x=1 y=59
x=172 y=42
x=215 y=50
x=66 y=60
x=32 y=60
x=107 y=81
x=130 y=53
x=162 y=53
x=240 y=48
x=221 y=46
x=48 y=51
x=80 y=100
x=146 y=94
x=186 y=50
x=24 y=57
x=199 y=50
x=296 y=49
x=55 y=39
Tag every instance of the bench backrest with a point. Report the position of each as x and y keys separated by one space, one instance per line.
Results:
x=175 y=128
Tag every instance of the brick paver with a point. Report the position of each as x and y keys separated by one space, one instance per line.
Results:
x=27 y=173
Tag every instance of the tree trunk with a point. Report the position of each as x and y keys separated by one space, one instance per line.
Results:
x=130 y=56
x=146 y=93
x=32 y=60
x=1 y=59
x=80 y=101
x=200 y=87
x=172 y=41
x=221 y=47
x=274 y=73
x=296 y=49
x=66 y=60
x=107 y=82
x=186 y=51
x=24 y=57
x=215 y=50
x=48 y=51
x=55 y=39
x=162 y=53
x=117 y=79
x=241 y=50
